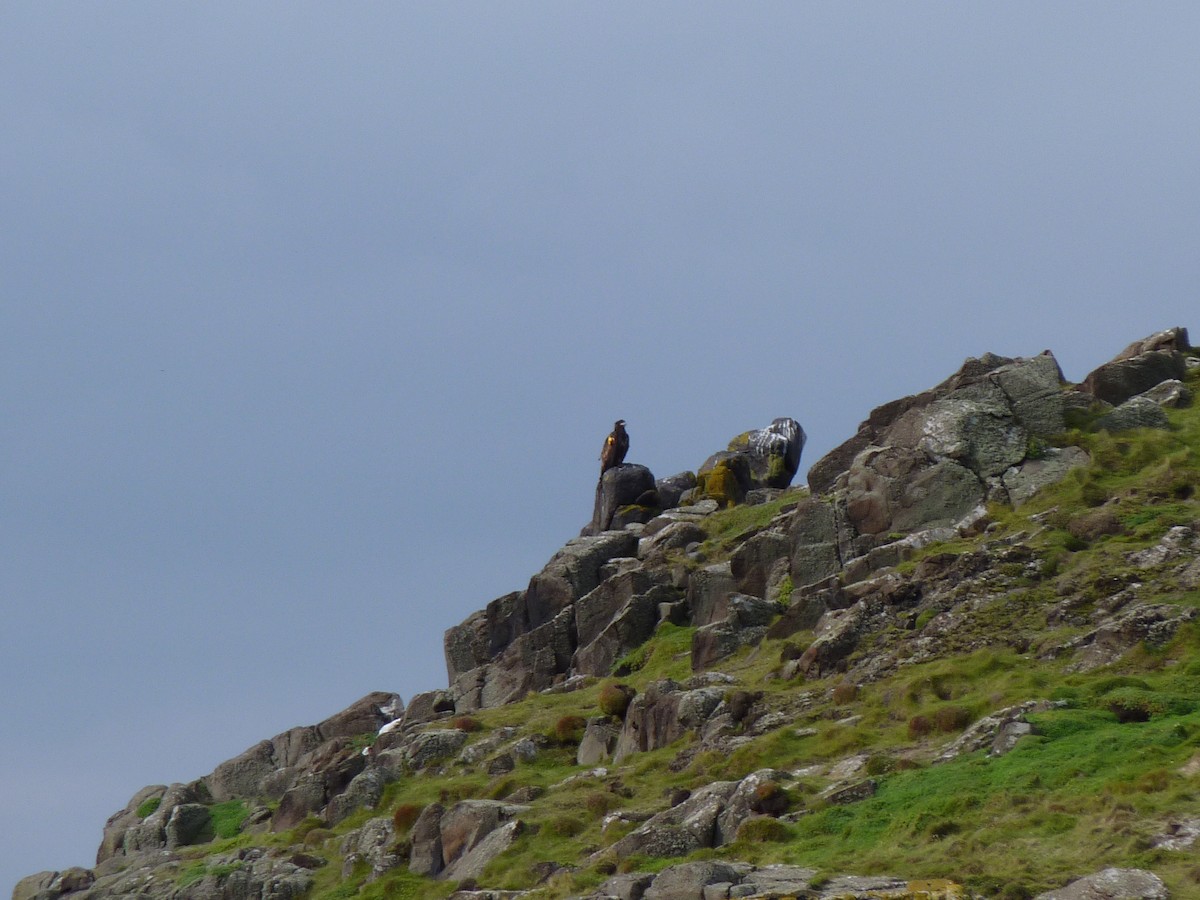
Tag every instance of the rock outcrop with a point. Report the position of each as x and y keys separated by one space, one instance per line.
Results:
x=825 y=567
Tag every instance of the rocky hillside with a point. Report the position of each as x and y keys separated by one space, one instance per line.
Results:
x=962 y=662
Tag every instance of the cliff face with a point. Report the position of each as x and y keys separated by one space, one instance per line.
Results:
x=784 y=685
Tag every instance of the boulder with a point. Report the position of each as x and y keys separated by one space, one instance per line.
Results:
x=364 y=791
x=819 y=535
x=741 y=803
x=465 y=828
x=628 y=484
x=1023 y=481
x=838 y=633
x=374 y=844
x=32 y=886
x=472 y=863
x=895 y=489
x=190 y=823
x=672 y=488
x=688 y=880
x=1170 y=394
x=630 y=886
x=754 y=560
x=764 y=458
x=745 y=625
x=1112 y=884
x=1136 y=412
x=651 y=721
x=980 y=417
x=433 y=746
x=598 y=743
x=682 y=829
x=974 y=427
x=425 y=857
x=365 y=716
x=113 y=841
x=1127 y=376
x=708 y=593
x=1139 y=367
x=997 y=733
x=428 y=706
x=725 y=478
x=595 y=611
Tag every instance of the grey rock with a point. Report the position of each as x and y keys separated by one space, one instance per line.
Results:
x=715 y=642
x=844 y=794
x=472 y=863
x=1153 y=624
x=1181 y=835
x=428 y=706
x=688 y=880
x=430 y=747
x=467 y=824
x=998 y=732
x=1023 y=481
x=426 y=836
x=374 y=844
x=675 y=535
x=1123 y=378
x=364 y=792
x=708 y=593
x=365 y=716
x=838 y=633
x=631 y=886
x=895 y=489
x=1137 y=412
x=739 y=806
x=853 y=887
x=1033 y=388
x=113 y=841
x=652 y=720
x=778 y=880
x=753 y=561
x=598 y=743
x=625 y=485
x=1173 y=394
x=673 y=487
x=31 y=886
x=1112 y=884
x=190 y=823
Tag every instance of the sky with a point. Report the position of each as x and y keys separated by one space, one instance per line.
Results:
x=313 y=317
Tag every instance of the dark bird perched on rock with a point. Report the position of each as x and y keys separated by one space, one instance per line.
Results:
x=616 y=445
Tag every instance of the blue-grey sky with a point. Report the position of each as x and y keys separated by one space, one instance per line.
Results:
x=313 y=317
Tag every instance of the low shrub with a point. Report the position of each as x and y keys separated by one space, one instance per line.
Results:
x=404 y=815
x=615 y=698
x=763 y=830
x=569 y=730
x=468 y=724
x=770 y=799
x=566 y=826
x=845 y=692
x=599 y=803
x=951 y=718
x=919 y=726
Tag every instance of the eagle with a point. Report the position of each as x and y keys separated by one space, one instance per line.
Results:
x=616 y=445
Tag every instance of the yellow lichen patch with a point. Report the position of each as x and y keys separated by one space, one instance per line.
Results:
x=721 y=485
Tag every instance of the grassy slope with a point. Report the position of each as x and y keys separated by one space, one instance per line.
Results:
x=1083 y=793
